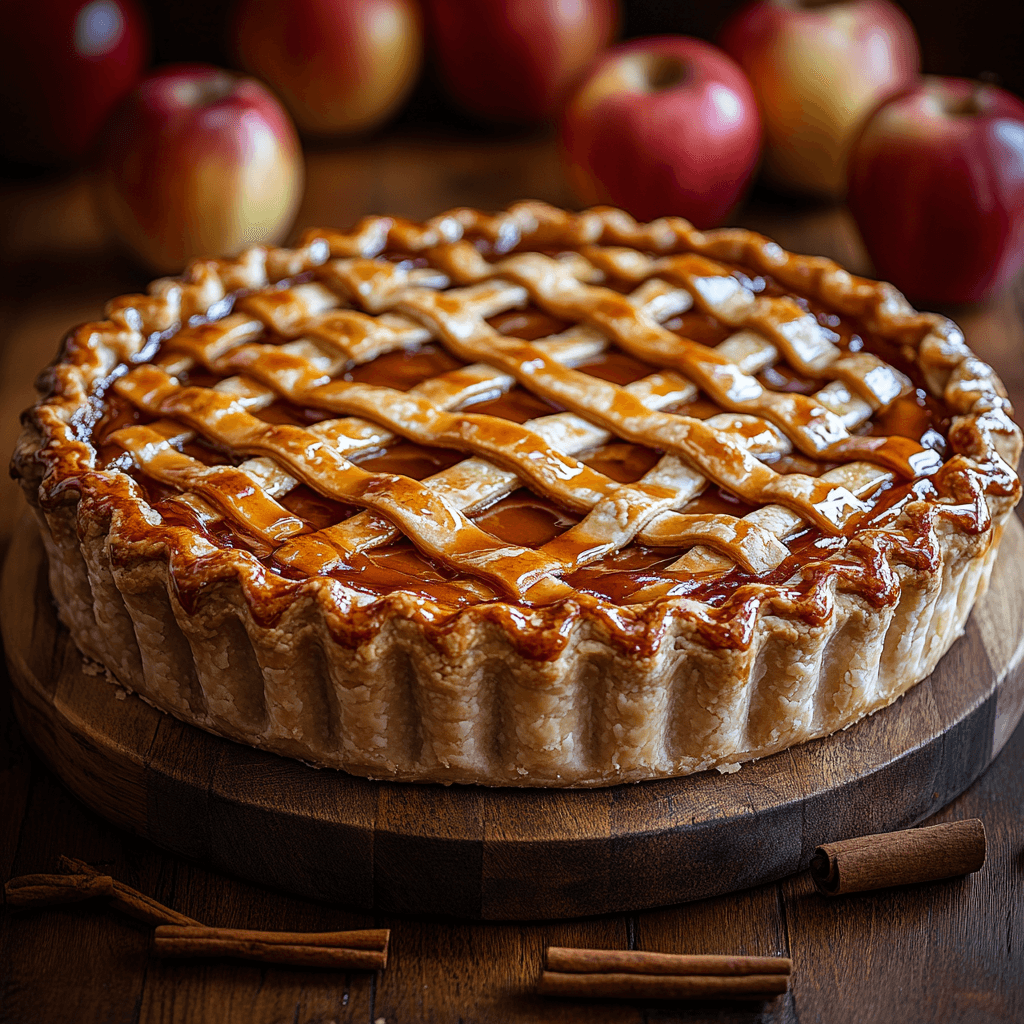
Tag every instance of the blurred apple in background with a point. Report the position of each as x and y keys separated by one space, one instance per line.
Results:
x=339 y=65
x=198 y=161
x=667 y=125
x=937 y=189
x=517 y=60
x=66 y=63
x=818 y=70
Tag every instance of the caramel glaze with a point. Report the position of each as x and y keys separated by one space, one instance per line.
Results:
x=403 y=370
x=723 y=607
x=118 y=412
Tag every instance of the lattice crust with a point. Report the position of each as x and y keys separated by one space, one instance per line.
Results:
x=848 y=528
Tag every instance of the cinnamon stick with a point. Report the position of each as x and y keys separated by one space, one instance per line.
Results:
x=366 y=949
x=178 y=935
x=899 y=858
x=638 y=961
x=128 y=900
x=638 y=974
x=50 y=890
x=621 y=985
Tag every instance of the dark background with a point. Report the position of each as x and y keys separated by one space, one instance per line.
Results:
x=969 y=38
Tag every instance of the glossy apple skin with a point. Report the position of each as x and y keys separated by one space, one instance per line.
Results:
x=66 y=63
x=688 y=148
x=341 y=66
x=198 y=161
x=516 y=61
x=818 y=72
x=937 y=190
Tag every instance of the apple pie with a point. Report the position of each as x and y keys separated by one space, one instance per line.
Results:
x=534 y=499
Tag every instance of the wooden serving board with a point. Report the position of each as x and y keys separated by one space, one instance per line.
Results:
x=502 y=853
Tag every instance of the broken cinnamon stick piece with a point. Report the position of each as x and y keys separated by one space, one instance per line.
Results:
x=622 y=985
x=365 y=949
x=128 y=900
x=638 y=961
x=50 y=890
x=74 y=866
x=899 y=858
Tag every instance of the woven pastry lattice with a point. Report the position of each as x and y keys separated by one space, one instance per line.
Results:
x=766 y=402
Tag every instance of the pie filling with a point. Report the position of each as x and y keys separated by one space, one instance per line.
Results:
x=470 y=425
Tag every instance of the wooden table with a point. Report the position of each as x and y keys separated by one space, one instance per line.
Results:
x=949 y=951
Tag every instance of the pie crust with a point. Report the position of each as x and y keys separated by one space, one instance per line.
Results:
x=531 y=499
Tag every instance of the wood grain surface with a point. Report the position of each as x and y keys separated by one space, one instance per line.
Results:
x=948 y=951
x=505 y=854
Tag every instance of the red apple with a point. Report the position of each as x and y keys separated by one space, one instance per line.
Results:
x=66 y=63
x=667 y=125
x=517 y=60
x=339 y=65
x=937 y=189
x=818 y=70
x=198 y=161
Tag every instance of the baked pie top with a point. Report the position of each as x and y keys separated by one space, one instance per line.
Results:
x=529 y=417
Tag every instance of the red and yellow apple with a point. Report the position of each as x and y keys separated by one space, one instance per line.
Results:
x=818 y=70
x=198 y=161
x=66 y=64
x=340 y=66
x=667 y=125
x=937 y=189
x=517 y=60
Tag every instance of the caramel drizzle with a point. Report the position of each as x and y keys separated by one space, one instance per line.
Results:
x=301 y=372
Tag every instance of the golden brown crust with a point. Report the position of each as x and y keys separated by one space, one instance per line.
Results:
x=548 y=685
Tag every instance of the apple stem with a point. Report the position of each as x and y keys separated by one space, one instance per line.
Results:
x=968 y=106
x=206 y=90
x=666 y=72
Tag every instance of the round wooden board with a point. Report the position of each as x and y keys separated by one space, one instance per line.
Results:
x=508 y=854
